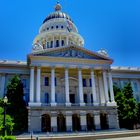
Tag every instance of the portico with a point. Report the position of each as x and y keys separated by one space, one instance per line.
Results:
x=67 y=73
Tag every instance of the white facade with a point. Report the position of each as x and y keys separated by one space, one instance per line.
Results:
x=67 y=87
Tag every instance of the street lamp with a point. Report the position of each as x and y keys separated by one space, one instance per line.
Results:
x=5 y=100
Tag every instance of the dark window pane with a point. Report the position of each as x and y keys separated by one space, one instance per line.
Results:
x=46 y=81
x=62 y=42
x=85 y=98
x=57 y=43
x=84 y=83
x=90 y=83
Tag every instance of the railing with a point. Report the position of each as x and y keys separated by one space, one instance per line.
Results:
x=63 y=104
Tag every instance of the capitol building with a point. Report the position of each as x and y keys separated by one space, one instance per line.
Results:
x=67 y=87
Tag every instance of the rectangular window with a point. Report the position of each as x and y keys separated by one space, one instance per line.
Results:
x=46 y=81
x=84 y=83
x=90 y=83
x=85 y=98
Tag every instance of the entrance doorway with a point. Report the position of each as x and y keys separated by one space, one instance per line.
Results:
x=104 y=122
x=46 y=123
x=90 y=122
x=76 y=122
x=61 y=123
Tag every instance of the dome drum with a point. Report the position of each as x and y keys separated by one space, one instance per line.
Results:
x=57 y=24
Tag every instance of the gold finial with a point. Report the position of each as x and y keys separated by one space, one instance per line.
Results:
x=58 y=6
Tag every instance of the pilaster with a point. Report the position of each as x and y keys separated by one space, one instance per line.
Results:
x=97 y=122
x=83 y=120
x=68 y=121
x=53 y=122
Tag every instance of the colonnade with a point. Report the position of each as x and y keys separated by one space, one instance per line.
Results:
x=50 y=41
x=37 y=101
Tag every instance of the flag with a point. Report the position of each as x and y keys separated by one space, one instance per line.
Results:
x=69 y=26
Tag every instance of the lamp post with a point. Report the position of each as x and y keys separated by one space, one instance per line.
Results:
x=5 y=100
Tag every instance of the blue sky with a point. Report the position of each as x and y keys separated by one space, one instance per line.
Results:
x=110 y=24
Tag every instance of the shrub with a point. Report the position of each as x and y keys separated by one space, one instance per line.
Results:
x=8 y=138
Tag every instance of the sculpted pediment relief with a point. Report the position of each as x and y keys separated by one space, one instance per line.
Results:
x=71 y=52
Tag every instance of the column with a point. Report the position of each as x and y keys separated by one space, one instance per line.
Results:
x=68 y=121
x=54 y=123
x=67 y=40
x=97 y=122
x=80 y=85
x=67 y=87
x=53 y=42
x=38 y=79
x=83 y=121
x=111 y=87
x=105 y=86
x=31 y=85
x=102 y=99
x=53 y=103
x=93 y=88
x=2 y=86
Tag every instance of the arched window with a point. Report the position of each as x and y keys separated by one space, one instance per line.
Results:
x=57 y=43
x=62 y=42
x=57 y=27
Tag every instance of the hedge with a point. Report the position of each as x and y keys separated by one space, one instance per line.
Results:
x=8 y=138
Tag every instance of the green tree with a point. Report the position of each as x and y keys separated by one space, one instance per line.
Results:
x=127 y=106
x=9 y=122
x=17 y=108
x=138 y=112
x=130 y=108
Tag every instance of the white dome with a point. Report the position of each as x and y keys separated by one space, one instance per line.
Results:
x=57 y=30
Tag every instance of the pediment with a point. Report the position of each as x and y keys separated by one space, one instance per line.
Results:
x=71 y=52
